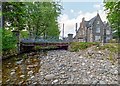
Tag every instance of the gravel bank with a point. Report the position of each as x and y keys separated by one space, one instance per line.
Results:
x=64 y=67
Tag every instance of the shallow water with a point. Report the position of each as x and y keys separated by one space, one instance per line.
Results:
x=19 y=69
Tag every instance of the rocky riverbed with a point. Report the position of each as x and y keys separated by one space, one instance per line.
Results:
x=88 y=66
x=64 y=67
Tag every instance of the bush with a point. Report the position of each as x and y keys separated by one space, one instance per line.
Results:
x=113 y=47
x=113 y=41
x=8 y=40
x=76 y=46
x=24 y=34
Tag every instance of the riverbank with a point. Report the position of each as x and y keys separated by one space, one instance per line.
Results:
x=17 y=69
x=64 y=67
x=88 y=66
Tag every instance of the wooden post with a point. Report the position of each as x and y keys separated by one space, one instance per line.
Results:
x=17 y=35
x=63 y=31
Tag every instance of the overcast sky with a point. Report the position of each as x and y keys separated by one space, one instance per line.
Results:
x=73 y=12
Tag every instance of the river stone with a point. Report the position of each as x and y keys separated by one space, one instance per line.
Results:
x=22 y=76
x=72 y=77
x=81 y=57
x=20 y=83
x=19 y=62
x=13 y=70
x=102 y=82
x=49 y=77
x=12 y=73
x=113 y=72
x=35 y=65
x=32 y=77
x=62 y=72
x=74 y=70
x=75 y=62
x=95 y=82
x=99 y=52
x=16 y=67
x=62 y=65
x=30 y=66
x=55 y=81
x=83 y=63
x=8 y=80
x=30 y=72
x=35 y=83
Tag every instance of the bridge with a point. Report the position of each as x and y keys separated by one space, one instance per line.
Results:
x=29 y=44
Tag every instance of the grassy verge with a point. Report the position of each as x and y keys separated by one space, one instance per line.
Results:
x=7 y=53
x=76 y=46
x=48 y=47
x=113 y=50
x=113 y=47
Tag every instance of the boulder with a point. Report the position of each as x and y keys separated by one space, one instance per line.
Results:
x=49 y=77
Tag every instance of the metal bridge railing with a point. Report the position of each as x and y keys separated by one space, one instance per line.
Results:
x=48 y=39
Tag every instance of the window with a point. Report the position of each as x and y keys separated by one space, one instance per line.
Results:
x=98 y=22
x=97 y=38
x=98 y=30
x=108 y=38
x=107 y=31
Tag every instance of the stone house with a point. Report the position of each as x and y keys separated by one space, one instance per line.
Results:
x=93 y=30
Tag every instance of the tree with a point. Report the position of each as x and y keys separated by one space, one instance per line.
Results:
x=13 y=13
x=41 y=18
x=8 y=40
x=113 y=15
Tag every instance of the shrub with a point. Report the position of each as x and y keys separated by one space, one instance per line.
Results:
x=24 y=34
x=113 y=47
x=8 y=40
x=76 y=46
x=113 y=41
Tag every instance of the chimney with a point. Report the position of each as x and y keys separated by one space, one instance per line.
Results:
x=83 y=19
x=70 y=37
x=76 y=28
x=97 y=13
x=63 y=32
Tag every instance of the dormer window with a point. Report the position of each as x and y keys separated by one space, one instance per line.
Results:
x=98 y=22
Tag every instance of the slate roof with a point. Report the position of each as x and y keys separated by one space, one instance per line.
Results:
x=90 y=22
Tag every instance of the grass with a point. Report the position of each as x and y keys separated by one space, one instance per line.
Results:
x=111 y=58
x=113 y=47
x=47 y=47
x=76 y=46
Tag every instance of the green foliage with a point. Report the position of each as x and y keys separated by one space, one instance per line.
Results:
x=76 y=46
x=24 y=34
x=113 y=15
x=113 y=47
x=113 y=41
x=13 y=13
x=0 y=41
x=8 y=40
x=39 y=18
x=47 y=47
x=111 y=58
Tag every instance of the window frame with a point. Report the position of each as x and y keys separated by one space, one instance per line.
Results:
x=97 y=29
x=98 y=38
x=108 y=32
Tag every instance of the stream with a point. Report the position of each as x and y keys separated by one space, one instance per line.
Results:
x=20 y=69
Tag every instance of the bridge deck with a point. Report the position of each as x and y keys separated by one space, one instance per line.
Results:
x=27 y=44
